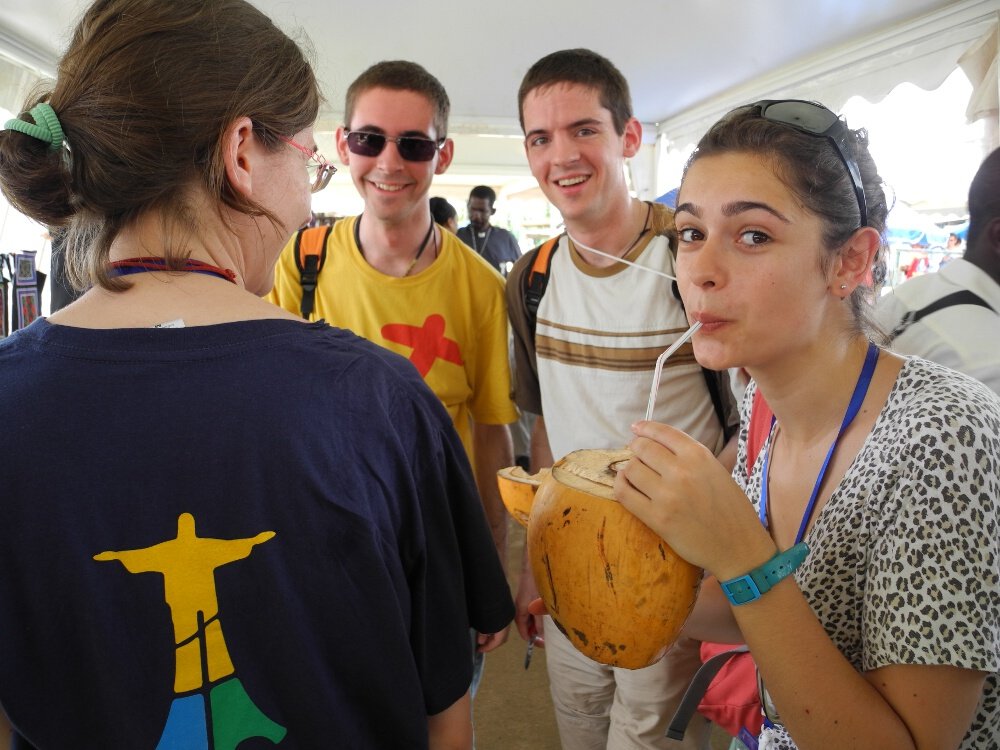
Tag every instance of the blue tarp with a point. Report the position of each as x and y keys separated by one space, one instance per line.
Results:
x=905 y=226
x=669 y=198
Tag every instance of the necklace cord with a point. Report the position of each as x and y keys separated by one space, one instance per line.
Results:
x=420 y=247
x=130 y=266
x=486 y=241
x=620 y=258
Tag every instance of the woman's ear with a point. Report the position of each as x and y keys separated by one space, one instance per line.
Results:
x=854 y=264
x=239 y=150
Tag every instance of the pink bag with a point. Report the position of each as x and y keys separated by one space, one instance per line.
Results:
x=731 y=699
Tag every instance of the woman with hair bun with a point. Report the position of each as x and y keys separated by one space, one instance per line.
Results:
x=864 y=573
x=318 y=548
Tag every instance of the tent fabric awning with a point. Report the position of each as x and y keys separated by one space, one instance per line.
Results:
x=979 y=63
x=922 y=51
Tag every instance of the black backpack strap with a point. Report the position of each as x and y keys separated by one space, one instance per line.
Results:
x=537 y=278
x=963 y=297
x=310 y=254
x=714 y=381
x=696 y=691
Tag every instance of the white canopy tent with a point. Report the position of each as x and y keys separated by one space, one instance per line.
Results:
x=922 y=51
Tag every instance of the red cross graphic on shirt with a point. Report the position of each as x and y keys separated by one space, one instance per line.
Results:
x=428 y=342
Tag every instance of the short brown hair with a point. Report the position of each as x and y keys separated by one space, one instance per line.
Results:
x=145 y=94
x=401 y=75
x=583 y=67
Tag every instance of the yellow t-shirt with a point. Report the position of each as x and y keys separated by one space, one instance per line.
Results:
x=449 y=320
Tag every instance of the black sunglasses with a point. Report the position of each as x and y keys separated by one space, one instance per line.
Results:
x=411 y=148
x=815 y=119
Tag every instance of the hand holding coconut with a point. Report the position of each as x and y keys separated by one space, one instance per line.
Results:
x=678 y=489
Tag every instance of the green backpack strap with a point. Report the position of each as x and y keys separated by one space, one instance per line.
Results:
x=310 y=254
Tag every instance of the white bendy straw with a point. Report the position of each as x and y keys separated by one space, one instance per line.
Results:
x=659 y=366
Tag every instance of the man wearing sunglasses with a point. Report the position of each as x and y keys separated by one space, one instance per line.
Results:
x=393 y=276
x=585 y=359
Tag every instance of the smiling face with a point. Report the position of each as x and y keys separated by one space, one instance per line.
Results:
x=394 y=189
x=750 y=265
x=575 y=153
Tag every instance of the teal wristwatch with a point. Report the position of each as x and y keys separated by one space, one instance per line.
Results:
x=752 y=586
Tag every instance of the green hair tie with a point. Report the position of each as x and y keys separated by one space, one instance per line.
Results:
x=46 y=127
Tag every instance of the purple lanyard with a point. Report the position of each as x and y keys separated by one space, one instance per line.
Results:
x=857 y=398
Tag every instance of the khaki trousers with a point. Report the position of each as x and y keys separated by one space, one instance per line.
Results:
x=607 y=708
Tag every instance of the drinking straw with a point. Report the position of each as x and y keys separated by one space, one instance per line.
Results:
x=659 y=366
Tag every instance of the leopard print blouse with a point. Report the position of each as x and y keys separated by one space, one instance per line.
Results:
x=904 y=566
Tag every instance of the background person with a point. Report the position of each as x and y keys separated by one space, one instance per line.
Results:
x=498 y=246
x=874 y=550
x=444 y=213
x=317 y=546
x=959 y=306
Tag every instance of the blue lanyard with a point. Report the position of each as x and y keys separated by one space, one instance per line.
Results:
x=857 y=398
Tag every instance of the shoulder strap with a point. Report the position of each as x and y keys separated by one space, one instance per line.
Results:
x=963 y=297
x=716 y=382
x=310 y=254
x=537 y=278
x=697 y=688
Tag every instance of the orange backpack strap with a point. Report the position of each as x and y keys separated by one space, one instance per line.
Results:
x=310 y=254
x=538 y=278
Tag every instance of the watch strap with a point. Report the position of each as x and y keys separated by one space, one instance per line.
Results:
x=752 y=586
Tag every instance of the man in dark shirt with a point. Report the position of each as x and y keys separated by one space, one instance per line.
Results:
x=496 y=245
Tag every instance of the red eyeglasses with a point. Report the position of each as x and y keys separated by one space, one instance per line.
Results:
x=320 y=170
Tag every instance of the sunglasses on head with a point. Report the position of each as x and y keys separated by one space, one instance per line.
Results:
x=815 y=119
x=411 y=148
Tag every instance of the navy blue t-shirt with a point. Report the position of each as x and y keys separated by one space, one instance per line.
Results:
x=252 y=534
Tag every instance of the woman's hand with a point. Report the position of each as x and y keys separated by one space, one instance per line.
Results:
x=676 y=486
x=486 y=642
